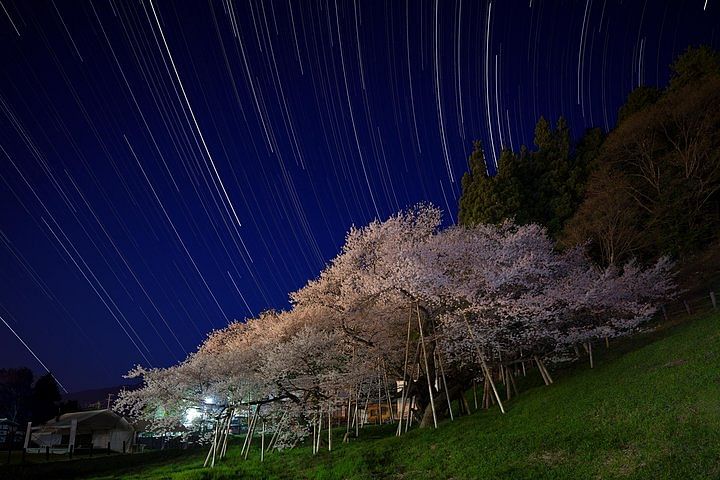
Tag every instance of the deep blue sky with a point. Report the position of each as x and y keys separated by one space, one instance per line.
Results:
x=169 y=166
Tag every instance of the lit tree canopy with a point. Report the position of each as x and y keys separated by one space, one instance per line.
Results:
x=405 y=295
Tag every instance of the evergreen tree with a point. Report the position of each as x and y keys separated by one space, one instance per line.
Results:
x=543 y=186
x=45 y=398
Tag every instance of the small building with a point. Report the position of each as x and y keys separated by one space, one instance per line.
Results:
x=10 y=432
x=84 y=430
x=377 y=413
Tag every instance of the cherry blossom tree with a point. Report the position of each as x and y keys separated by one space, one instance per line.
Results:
x=405 y=300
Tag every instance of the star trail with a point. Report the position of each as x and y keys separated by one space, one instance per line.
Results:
x=168 y=167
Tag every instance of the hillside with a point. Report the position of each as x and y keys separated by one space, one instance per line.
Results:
x=649 y=409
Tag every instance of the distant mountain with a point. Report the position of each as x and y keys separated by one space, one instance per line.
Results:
x=98 y=397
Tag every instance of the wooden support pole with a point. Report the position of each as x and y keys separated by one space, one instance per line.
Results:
x=227 y=433
x=545 y=378
x=276 y=434
x=356 y=419
x=379 y=405
x=387 y=391
x=247 y=434
x=314 y=441
x=488 y=372
x=447 y=393
x=484 y=366
x=28 y=434
x=207 y=457
x=687 y=307
x=212 y=447
x=262 y=442
x=216 y=441
x=317 y=448
x=249 y=420
x=542 y=374
x=589 y=348
x=401 y=412
x=365 y=416
x=251 y=431
x=547 y=374
x=347 y=414
x=486 y=394
x=222 y=442
x=512 y=383
x=504 y=373
x=475 y=394
x=330 y=429
x=355 y=412
x=713 y=300
x=466 y=405
x=411 y=414
x=427 y=369
x=406 y=383
x=73 y=433
x=222 y=436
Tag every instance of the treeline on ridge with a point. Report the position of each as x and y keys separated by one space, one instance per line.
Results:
x=650 y=187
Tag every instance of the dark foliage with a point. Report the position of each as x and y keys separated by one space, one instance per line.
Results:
x=15 y=393
x=45 y=399
x=658 y=190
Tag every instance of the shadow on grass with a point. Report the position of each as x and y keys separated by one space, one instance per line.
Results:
x=98 y=465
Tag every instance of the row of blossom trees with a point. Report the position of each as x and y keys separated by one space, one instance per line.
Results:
x=439 y=310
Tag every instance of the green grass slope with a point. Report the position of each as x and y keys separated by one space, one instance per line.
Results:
x=649 y=409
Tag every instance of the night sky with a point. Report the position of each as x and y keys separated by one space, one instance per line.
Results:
x=167 y=167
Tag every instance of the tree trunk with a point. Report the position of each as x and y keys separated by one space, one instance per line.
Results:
x=427 y=418
x=441 y=407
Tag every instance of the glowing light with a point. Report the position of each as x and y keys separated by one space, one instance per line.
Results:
x=192 y=414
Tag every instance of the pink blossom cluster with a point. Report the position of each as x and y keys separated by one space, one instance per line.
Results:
x=501 y=291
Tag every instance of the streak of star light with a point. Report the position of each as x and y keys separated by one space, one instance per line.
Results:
x=167 y=168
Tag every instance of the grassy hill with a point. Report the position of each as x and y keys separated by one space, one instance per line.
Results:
x=649 y=409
